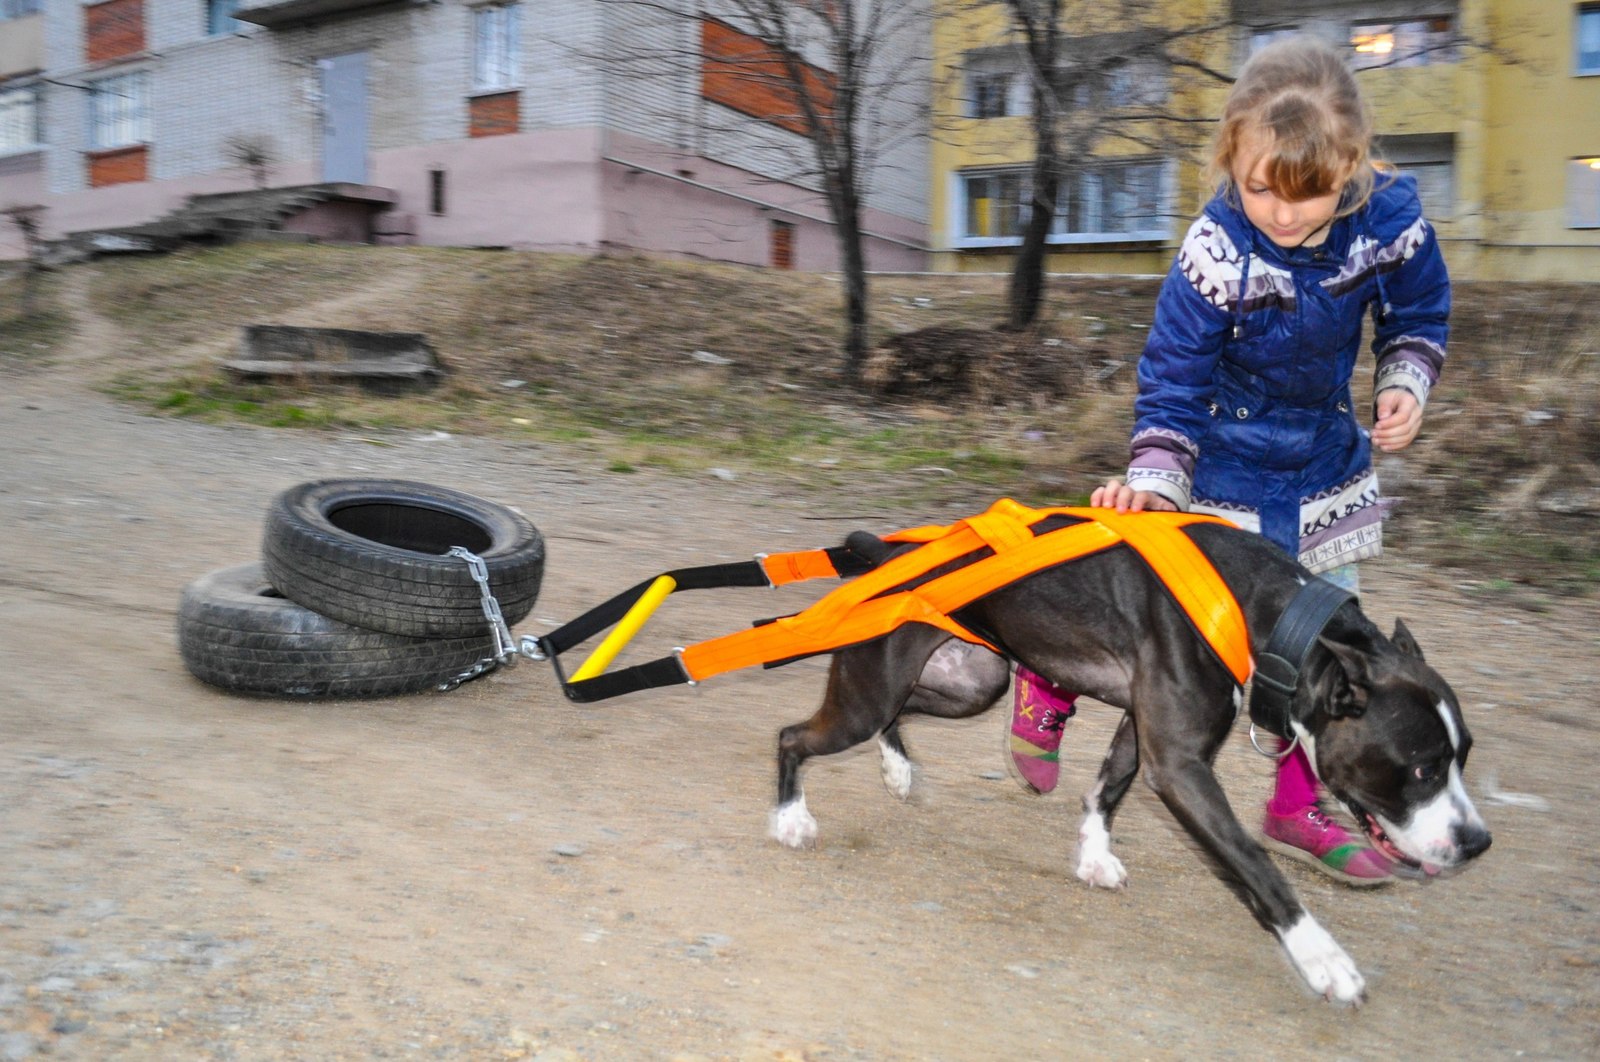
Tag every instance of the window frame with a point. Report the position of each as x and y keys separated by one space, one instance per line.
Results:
x=220 y=20
x=1435 y=48
x=1093 y=180
x=15 y=9
x=501 y=72
x=134 y=115
x=990 y=85
x=27 y=100
x=1583 y=170
x=1588 y=13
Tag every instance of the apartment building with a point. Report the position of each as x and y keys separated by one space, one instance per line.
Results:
x=582 y=125
x=1494 y=105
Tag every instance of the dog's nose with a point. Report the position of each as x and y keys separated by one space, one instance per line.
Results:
x=1472 y=842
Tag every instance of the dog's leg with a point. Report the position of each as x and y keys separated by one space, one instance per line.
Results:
x=959 y=680
x=1178 y=768
x=896 y=763
x=1096 y=864
x=867 y=687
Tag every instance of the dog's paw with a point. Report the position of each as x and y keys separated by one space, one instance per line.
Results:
x=792 y=825
x=1329 y=971
x=1102 y=870
x=1096 y=865
x=896 y=770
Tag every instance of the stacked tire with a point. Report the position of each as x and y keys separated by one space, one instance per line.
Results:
x=356 y=593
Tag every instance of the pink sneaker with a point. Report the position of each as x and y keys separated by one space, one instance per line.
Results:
x=1310 y=836
x=1039 y=714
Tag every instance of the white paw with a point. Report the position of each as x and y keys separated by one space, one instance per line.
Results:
x=1096 y=865
x=1102 y=870
x=896 y=770
x=792 y=825
x=1330 y=972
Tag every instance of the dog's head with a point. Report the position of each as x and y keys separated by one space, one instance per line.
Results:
x=1387 y=738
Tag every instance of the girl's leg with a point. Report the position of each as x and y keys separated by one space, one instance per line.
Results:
x=1039 y=714
x=1297 y=826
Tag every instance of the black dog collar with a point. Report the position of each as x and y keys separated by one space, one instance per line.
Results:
x=1278 y=666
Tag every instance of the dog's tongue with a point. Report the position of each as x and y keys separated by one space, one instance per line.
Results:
x=1431 y=870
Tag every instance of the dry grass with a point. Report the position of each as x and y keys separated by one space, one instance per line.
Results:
x=692 y=366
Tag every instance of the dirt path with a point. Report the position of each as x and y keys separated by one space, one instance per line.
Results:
x=495 y=873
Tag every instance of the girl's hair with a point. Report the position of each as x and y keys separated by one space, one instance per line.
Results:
x=1298 y=100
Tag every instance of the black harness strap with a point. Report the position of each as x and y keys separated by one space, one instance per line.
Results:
x=668 y=670
x=1278 y=666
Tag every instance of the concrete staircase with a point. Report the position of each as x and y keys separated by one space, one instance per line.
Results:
x=338 y=212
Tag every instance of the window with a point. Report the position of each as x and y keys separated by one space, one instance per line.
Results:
x=990 y=94
x=119 y=111
x=19 y=120
x=1436 y=187
x=1117 y=81
x=1583 y=193
x=1430 y=158
x=219 y=17
x=1260 y=38
x=1111 y=202
x=1588 y=38
x=494 y=48
x=18 y=8
x=1416 y=42
x=994 y=205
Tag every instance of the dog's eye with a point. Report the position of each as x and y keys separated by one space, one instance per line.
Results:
x=1427 y=772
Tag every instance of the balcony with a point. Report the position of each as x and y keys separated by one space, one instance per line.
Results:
x=276 y=14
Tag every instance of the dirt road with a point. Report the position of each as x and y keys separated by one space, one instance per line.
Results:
x=494 y=873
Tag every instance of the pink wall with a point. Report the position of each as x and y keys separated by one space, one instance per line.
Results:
x=664 y=201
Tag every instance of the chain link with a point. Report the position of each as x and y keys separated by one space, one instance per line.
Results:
x=505 y=650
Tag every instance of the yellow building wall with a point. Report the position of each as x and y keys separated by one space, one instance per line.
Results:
x=1516 y=114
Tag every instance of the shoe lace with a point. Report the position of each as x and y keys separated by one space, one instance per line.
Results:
x=1319 y=818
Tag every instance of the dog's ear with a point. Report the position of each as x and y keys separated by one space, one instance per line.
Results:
x=1352 y=680
x=1404 y=642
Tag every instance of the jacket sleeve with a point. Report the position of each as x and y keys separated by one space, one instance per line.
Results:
x=1412 y=314
x=1177 y=370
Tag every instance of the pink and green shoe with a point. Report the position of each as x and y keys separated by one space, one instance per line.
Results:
x=1310 y=836
x=1039 y=714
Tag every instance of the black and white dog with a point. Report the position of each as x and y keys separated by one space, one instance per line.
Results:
x=1382 y=728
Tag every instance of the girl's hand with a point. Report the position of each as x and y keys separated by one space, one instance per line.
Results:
x=1124 y=499
x=1399 y=418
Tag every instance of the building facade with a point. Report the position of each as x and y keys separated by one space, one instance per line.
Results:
x=575 y=126
x=1494 y=105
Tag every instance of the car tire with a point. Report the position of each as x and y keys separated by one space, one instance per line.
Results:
x=373 y=553
x=238 y=633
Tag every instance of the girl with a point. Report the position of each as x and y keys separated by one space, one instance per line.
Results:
x=1244 y=407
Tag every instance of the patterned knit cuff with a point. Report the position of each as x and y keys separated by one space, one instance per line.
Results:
x=1173 y=486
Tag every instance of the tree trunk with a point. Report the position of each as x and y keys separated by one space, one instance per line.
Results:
x=1026 y=294
x=853 y=264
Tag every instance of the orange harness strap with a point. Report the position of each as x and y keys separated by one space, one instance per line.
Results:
x=870 y=606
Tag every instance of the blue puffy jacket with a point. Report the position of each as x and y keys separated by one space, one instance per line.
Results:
x=1244 y=404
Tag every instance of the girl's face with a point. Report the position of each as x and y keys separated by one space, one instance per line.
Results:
x=1287 y=223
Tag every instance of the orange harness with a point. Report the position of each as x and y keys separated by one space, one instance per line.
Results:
x=1002 y=547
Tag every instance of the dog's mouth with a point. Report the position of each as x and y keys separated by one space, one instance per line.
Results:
x=1381 y=841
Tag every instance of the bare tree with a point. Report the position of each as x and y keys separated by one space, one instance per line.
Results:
x=1105 y=89
x=824 y=76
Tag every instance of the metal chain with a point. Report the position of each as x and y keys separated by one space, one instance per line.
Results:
x=505 y=651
